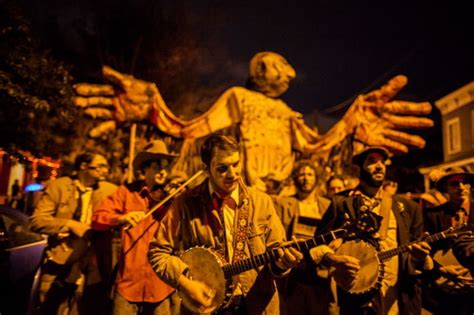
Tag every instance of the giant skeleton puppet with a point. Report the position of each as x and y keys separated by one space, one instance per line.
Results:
x=269 y=129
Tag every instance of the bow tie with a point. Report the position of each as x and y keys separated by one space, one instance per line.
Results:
x=219 y=202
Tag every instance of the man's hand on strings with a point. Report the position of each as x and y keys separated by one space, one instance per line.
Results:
x=201 y=295
x=343 y=268
x=288 y=258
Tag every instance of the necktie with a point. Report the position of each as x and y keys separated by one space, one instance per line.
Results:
x=78 y=213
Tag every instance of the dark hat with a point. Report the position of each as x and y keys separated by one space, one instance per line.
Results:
x=154 y=150
x=359 y=158
x=454 y=171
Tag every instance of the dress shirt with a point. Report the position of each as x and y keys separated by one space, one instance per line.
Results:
x=136 y=281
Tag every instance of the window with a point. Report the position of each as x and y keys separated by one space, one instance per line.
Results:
x=453 y=134
x=16 y=232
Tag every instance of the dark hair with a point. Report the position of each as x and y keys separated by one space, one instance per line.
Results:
x=217 y=141
x=302 y=163
x=83 y=158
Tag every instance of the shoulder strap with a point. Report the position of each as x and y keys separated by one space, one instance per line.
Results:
x=241 y=231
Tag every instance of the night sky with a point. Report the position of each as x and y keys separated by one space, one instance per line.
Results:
x=338 y=48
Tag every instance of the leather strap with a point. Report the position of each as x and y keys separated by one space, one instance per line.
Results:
x=385 y=209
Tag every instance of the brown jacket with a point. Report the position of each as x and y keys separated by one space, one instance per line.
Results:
x=57 y=205
x=189 y=223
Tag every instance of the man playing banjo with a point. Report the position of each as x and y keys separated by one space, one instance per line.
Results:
x=401 y=222
x=451 y=281
x=236 y=221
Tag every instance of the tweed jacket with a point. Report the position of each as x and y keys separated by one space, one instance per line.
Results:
x=57 y=205
x=190 y=222
x=287 y=209
x=438 y=219
x=409 y=228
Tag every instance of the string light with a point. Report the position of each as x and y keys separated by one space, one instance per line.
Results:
x=26 y=157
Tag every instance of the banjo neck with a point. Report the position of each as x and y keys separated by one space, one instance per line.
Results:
x=272 y=255
x=384 y=255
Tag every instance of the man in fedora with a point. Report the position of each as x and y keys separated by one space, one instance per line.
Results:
x=401 y=222
x=137 y=288
x=457 y=184
x=453 y=258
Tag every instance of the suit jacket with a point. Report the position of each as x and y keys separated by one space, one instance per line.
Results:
x=307 y=289
x=57 y=206
x=409 y=228
x=190 y=222
x=287 y=209
x=437 y=219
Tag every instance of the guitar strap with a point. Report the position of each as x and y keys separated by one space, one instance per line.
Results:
x=240 y=233
x=241 y=228
x=385 y=209
x=240 y=236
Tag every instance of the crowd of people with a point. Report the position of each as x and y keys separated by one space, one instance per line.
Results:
x=237 y=224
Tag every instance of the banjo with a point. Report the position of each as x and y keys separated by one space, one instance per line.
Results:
x=208 y=266
x=371 y=261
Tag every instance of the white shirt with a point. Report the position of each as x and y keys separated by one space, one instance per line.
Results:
x=229 y=218
x=86 y=196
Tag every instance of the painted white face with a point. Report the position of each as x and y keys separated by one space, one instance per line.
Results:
x=224 y=171
x=271 y=73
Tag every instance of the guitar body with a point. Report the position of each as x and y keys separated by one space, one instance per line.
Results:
x=371 y=268
x=205 y=265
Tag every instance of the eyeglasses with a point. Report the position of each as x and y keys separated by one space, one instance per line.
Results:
x=99 y=167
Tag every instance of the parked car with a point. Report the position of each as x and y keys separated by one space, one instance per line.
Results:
x=21 y=252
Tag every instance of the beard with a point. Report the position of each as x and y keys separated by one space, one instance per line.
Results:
x=304 y=190
x=368 y=178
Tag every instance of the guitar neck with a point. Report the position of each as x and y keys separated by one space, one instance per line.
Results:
x=272 y=255
x=384 y=255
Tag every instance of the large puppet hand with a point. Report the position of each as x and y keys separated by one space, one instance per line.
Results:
x=127 y=99
x=376 y=120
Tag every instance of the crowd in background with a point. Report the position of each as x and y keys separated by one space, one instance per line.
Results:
x=80 y=213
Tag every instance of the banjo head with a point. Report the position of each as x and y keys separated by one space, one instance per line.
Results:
x=205 y=265
x=370 y=266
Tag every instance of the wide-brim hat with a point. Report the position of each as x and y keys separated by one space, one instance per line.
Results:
x=451 y=172
x=154 y=150
x=359 y=158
